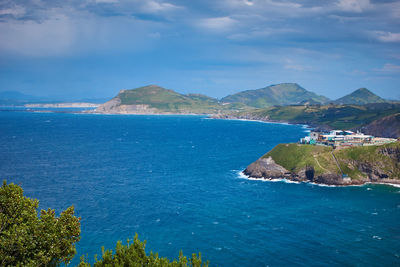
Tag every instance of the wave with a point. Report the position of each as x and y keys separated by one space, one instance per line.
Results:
x=241 y=175
x=244 y=176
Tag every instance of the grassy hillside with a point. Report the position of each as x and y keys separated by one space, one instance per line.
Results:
x=162 y=100
x=295 y=157
x=331 y=116
x=280 y=94
x=360 y=97
x=356 y=162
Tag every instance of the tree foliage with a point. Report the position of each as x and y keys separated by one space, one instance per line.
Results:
x=134 y=255
x=26 y=239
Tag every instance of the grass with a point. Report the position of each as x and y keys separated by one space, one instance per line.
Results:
x=170 y=101
x=335 y=116
x=295 y=157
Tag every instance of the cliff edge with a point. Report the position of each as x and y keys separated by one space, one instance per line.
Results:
x=324 y=165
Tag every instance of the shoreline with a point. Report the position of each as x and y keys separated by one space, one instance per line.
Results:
x=288 y=181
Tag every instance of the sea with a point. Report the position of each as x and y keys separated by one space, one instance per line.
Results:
x=176 y=181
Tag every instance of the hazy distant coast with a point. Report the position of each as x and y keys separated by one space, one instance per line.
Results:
x=63 y=105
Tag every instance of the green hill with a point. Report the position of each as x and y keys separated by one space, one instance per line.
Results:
x=154 y=99
x=325 y=116
x=279 y=94
x=325 y=165
x=360 y=97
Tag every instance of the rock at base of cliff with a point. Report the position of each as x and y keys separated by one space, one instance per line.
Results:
x=266 y=168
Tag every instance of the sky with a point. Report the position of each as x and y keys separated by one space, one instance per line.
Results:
x=74 y=49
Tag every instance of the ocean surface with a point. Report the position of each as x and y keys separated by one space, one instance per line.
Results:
x=175 y=180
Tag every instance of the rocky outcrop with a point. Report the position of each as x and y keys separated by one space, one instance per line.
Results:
x=266 y=168
x=114 y=107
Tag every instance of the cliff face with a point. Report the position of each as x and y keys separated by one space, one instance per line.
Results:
x=114 y=107
x=358 y=165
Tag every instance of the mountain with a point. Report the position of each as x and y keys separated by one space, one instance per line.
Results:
x=278 y=94
x=154 y=99
x=360 y=97
x=15 y=98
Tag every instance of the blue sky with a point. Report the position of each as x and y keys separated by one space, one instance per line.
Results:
x=94 y=48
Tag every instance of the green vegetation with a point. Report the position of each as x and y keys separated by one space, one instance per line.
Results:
x=279 y=94
x=332 y=116
x=134 y=254
x=295 y=157
x=26 y=240
x=356 y=162
x=383 y=159
x=170 y=101
x=360 y=97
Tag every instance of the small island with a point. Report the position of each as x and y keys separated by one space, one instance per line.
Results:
x=337 y=158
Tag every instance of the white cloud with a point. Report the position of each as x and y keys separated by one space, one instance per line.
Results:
x=390 y=68
x=16 y=11
x=387 y=37
x=249 y=3
x=357 y=6
x=217 y=24
x=156 y=6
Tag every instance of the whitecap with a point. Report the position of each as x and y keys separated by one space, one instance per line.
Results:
x=377 y=237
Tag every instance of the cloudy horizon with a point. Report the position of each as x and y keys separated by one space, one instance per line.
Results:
x=94 y=48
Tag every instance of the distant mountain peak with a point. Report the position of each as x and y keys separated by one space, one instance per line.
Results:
x=360 y=96
x=276 y=94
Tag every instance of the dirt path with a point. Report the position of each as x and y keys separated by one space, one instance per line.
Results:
x=315 y=157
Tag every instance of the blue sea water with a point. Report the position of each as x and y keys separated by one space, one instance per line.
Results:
x=175 y=181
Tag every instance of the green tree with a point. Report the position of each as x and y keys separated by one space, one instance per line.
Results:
x=26 y=239
x=134 y=255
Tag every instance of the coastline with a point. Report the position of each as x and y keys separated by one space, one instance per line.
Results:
x=390 y=182
x=241 y=175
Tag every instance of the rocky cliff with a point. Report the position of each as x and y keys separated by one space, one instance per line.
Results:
x=307 y=163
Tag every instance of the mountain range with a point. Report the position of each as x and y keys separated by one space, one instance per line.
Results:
x=164 y=100
x=155 y=99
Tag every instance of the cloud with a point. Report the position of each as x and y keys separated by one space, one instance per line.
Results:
x=15 y=11
x=386 y=37
x=217 y=24
x=249 y=3
x=389 y=68
x=156 y=6
x=357 y=6
x=292 y=65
